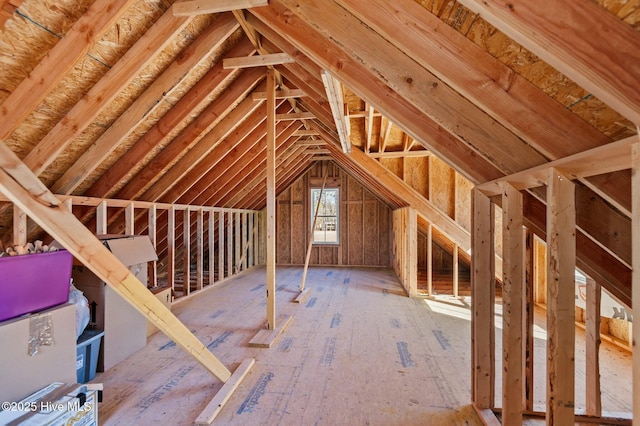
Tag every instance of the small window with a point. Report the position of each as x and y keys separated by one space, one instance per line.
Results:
x=326 y=230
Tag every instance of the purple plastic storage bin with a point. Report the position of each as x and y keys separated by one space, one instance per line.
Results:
x=33 y=282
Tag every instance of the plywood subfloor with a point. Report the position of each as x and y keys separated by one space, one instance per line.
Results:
x=358 y=352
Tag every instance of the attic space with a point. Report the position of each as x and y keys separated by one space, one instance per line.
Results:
x=320 y=212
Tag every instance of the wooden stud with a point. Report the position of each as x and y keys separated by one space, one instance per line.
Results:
x=238 y=242
x=311 y=231
x=271 y=201
x=635 y=250
x=221 y=252
x=512 y=305
x=483 y=301
x=592 y=349
x=199 y=249
x=129 y=220
x=230 y=242
x=455 y=271
x=153 y=266
x=101 y=218
x=529 y=307
x=430 y=260
x=211 y=228
x=171 y=248
x=561 y=264
x=19 y=226
x=186 y=252
x=250 y=248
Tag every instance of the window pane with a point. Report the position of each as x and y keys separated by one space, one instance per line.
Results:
x=326 y=229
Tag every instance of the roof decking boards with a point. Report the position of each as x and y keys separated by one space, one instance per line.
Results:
x=141 y=100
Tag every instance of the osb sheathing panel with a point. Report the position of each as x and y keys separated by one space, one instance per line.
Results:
x=442 y=181
x=463 y=201
x=416 y=172
x=394 y=165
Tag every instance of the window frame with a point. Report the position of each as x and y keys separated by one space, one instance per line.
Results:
x=336 y=216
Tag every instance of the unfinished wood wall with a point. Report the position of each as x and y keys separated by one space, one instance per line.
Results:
x=365 y=222
x=405 y=248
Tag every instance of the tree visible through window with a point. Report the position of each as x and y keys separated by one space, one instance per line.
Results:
x=326 y=227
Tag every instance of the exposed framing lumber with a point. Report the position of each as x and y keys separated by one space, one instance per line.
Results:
x=561 y=264
x=271 y=200
x=295 y=116
x=592 y=349
x=171 y=248
x=400 y=154
x=483 y=301
x=513 y=305
x=280 y=94
x=186 y=251
x=635 y=209
x=201 y=7
x=129 y=219
x=221 y=252
x=529 y=308
x=200 y=249
x=430 y=260
x=101 y=218
x=152 y=220
x=19 y=226
x=561 y=33
x=211 y=229
x=25 y=190
x=257 y=61
x=333 y=88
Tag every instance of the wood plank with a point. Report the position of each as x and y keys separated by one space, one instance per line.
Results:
x=512 y=305
x=218 y=402
x=211 y=246
x=302 y=296
x=282 y=94
x=129 y=219
x=200 y=250
x=101 y=218
x=257 y=61
x=333 y=88
x=221 y=250
x=152 y=233
x=171 y=248
x=265 y=338
x=561 y=34
x=19 y=227
x=296 y=116
x=271 y=201
x=43 y=207
x=592 y=349
x=608 y=158
x=529 y=307
x=483 y=302
x=635 y=241
x=186 y=252
x=561 y=263
x=200 y=7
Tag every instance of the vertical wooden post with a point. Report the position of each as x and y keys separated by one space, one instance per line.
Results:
x=229 y=243
x=129 y=219
x=186 y=251
x=251 y=228
x=238 y=242
x=171 y=247
x=430 y=260
x=221 y=245
x=483 y=295
x=411 y=259
x=19 y=226
x=199 y=249
x=271 y=200
x=561 y=264
x=512 y=306
x=635 y=263
x=592 y=349
x=211 y=227
x=529 y=307
x=101 y=218
x=456 y=284
x=153 y=266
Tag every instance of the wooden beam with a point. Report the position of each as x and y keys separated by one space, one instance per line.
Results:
x=561 y=264
x=152 y=232
x=333 y=88
x=221 y=251
x=101 y=218
x=400 y=154
x=512 y=306
x=186 y=252
x=561 y=34
x=201 y=7
x=171 y=248
x=257 y=61
x=200 y=249
x=592 y=349
x=635 y=241
x=430 y=260
x=296 y=116
x=483 y=301
x=271 y=200
x=19 y=226
x=129 y=219
x=308 y=132
x=529 y=311
x=608 y=158
x=280 y=94
x=26 y=191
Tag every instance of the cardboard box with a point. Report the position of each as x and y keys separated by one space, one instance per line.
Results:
x=33 y=282
x=163 y=294
x=125 y=329
x=54 y=405
x=54 y=363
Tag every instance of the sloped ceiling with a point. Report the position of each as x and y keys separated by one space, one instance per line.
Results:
x=123 y=99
